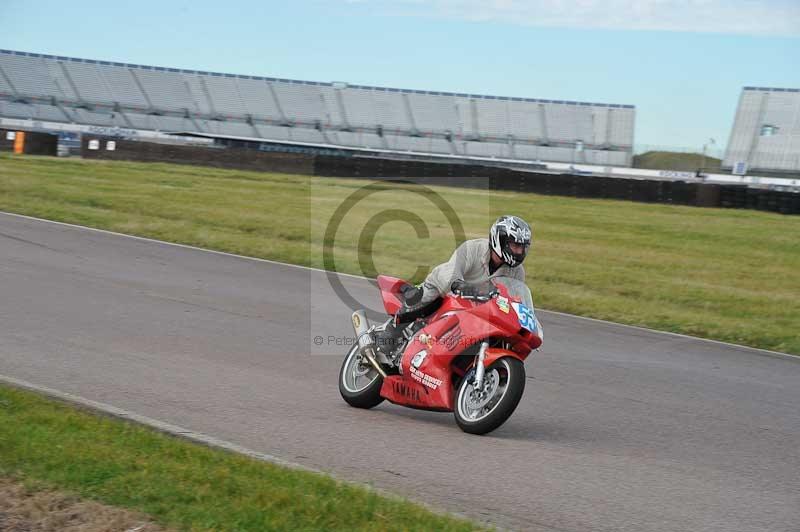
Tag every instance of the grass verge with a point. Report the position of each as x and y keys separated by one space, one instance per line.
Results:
x=181 y=484
x=725 y=274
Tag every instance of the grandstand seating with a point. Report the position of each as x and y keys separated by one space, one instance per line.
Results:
x=83 y=91
x=766 y=130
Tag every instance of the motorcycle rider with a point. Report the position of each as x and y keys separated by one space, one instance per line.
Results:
x=476 y=261
x=467 y=273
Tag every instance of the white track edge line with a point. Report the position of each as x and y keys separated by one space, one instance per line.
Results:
x=187 y=246
x=755 y=350
x=161 y=426
x=763 y=352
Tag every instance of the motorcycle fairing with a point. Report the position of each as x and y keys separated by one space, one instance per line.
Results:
x=427 y=367
x=402 y=391
x=427 y=385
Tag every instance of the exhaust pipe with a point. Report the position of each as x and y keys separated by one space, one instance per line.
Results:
x=365 y=341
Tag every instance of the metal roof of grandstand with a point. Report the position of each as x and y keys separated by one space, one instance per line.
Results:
x=770 y=89
x=327 y=84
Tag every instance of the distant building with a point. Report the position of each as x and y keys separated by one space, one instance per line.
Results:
x=766 y=132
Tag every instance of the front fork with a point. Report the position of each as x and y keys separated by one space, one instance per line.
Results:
x=479 y=369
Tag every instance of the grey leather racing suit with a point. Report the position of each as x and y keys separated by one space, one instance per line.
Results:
x=469 y=263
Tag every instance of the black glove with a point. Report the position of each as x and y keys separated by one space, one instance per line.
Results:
x=411 y=294
x=464 y=289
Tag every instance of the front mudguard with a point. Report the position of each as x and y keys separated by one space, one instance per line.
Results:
x=495 y=353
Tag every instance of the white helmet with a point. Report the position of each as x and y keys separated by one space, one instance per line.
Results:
x=509 y=229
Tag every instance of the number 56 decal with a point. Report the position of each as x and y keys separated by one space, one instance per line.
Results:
x=527 y=318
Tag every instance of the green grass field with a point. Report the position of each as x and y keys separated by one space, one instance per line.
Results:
x=731 y=275
x=183 y=485
x=672 y=160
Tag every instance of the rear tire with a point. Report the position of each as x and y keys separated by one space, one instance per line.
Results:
x=359 y=383
x=480 y=414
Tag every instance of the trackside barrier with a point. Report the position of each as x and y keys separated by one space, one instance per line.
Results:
x=570 y=168
x=30 y=142
x=673 y=174
x=96 y=147
x=693 y=193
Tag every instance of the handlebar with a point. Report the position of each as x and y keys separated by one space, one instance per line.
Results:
x=480 y=297
x=481 y=292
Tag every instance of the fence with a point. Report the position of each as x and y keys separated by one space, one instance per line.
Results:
x=30 y=142
x=243 y=159
x=452 y=174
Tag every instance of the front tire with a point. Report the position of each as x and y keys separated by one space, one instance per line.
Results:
x=482 y=411
x=359 y=383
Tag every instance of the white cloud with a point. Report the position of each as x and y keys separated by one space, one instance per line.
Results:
x=765 y=17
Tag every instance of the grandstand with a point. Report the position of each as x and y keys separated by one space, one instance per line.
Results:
x=766 y=132
x=66 y=90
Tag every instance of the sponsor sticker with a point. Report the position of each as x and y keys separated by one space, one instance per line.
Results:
x=425 y=379
x=419 y=358
x=502 y=303
x=451 y=338
x=426 y=339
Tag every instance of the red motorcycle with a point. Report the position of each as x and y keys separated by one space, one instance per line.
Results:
x=461 y=353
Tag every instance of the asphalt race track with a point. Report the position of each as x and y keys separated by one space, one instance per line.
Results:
x=619 y=428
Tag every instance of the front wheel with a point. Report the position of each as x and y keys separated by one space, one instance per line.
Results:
x=359 y=383
x=479 y=411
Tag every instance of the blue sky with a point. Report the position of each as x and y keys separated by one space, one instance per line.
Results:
x=681 y=62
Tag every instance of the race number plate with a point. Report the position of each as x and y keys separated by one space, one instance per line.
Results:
x=527 y=318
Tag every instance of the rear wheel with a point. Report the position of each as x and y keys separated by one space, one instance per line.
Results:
x=359 y=383
x=479 y=411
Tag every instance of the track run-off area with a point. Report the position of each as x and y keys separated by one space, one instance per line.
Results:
x=619 y=427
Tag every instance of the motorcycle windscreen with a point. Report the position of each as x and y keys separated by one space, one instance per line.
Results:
x=516 y=289
x=524 y=307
